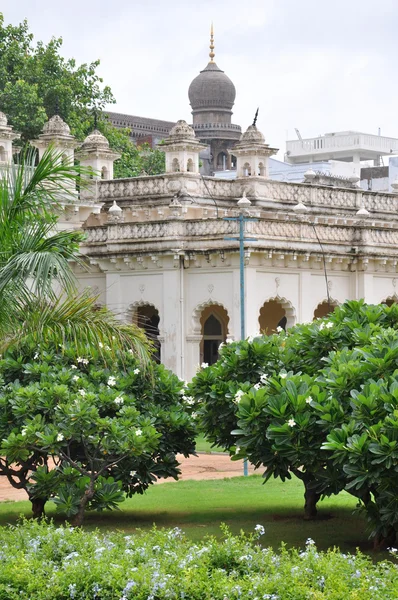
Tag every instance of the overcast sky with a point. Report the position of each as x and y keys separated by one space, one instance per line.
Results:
x=309 y=64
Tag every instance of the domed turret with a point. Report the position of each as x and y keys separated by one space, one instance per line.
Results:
x=7 y=136
x=56 y=126
x=212 y=89
x=95 y=140
x=252 y=153
x=212 y=96
x=181 y=131
x=3 y=119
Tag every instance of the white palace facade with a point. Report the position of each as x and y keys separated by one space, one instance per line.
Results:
x=159 y=252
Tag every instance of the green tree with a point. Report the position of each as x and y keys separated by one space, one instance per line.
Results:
x=35 y=81
x=108 y=426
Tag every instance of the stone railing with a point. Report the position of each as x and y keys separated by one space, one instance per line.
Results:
x=348 y=141
x=161 y=188
x=290 y=234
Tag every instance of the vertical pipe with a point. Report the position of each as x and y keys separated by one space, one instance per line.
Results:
x=242 y=298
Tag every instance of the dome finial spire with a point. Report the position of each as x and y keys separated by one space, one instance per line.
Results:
x=211 y=54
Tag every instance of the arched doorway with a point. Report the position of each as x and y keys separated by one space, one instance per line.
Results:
x=390 y=300
x=276 y=312
x=147 y=318
x=214 y=328
x=324 y=309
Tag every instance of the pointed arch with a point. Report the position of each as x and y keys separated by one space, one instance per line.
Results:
x=393 y=299
x=146 y=316
x=322 y=310
x=197 y=315
x=272 y=311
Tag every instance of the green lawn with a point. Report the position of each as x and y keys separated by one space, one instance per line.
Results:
x=200 y=506
x=202 y=445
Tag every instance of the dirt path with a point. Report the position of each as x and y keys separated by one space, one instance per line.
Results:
x=204 y=466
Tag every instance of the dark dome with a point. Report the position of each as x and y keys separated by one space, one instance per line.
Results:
x=212 y=89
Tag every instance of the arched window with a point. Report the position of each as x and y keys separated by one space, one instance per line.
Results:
x=214 y=321
x=222 y=161
x=233 y=161
x=175 y=165
x=247 y=171
x=147 y=318
x=104 y=173
x=3 y=154
x=190 y=166
x=324 y=309
x=272 y=316
x=261 y=169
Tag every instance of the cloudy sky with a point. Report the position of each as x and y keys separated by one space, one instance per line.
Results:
x=309 y=64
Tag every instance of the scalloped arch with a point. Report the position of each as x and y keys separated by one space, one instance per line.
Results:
x=288 y=307
x=333 y=303
x=197 y=312
x=132 y=308
x=392 y=297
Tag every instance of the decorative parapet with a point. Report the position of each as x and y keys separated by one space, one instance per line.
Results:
x=153 y=189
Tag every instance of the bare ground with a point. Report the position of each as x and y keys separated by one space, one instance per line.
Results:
x=203 y=466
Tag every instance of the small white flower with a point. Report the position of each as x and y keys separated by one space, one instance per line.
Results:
x=75 y=378
x=329 y=325
x=263 y=378
x=321 y=326
x=279 y=329
x=310 y=542
x=229 y=341
x=392 y=550
x=259 y=529
x=85 y=361
x=36 y=355
x=119 y=400
x=60 y=437
x=73 y=367
x=138 y=432
x=291 y=422
x=283 y=375
x=133 y=473
x=204 y=365
x=79 y=359
x=111 y=380
x=100 y=344
x=257 y=386
x=194 y=415
x=24 y=430
x=82 y=392
x=309 y=400
x=136 y=371
x=189 y=400
x=238 y=396
x=237 y=450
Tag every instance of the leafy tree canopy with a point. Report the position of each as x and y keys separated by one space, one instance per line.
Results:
x=36 y=82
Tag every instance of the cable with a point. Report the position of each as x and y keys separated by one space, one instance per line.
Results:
x=208 y=191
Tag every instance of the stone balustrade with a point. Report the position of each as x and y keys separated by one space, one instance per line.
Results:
x=160 y=188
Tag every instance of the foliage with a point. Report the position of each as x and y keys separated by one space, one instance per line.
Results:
x=135 y=160
x=277 y=401
x=35 y=80
x=43 y=562
x=106 y=425
x=35 y=263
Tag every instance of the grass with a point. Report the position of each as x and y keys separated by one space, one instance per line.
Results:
x=199 y=507
x=203 y=445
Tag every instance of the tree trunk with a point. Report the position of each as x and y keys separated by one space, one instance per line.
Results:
x=77 y=520
x=311 y=499
x=38 y=505
x=382 y=542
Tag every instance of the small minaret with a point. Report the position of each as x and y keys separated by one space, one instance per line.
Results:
x=95 y=153
x=57 y=133
x=7 y=136
x=252 y=153
x=182 y=149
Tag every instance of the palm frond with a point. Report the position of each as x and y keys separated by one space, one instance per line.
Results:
x=76 y=320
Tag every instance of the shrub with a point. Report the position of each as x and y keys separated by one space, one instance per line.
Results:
x=41 y=562
x=108 y=426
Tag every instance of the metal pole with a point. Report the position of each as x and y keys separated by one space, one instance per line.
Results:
x=242 y=298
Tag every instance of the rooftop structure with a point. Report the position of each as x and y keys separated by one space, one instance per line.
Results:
x=350 y=146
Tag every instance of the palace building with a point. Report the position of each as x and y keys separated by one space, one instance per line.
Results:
x=163 y=251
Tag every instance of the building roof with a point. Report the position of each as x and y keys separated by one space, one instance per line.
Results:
x=140 y=125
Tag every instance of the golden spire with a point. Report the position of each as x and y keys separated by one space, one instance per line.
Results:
x=212 y=55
